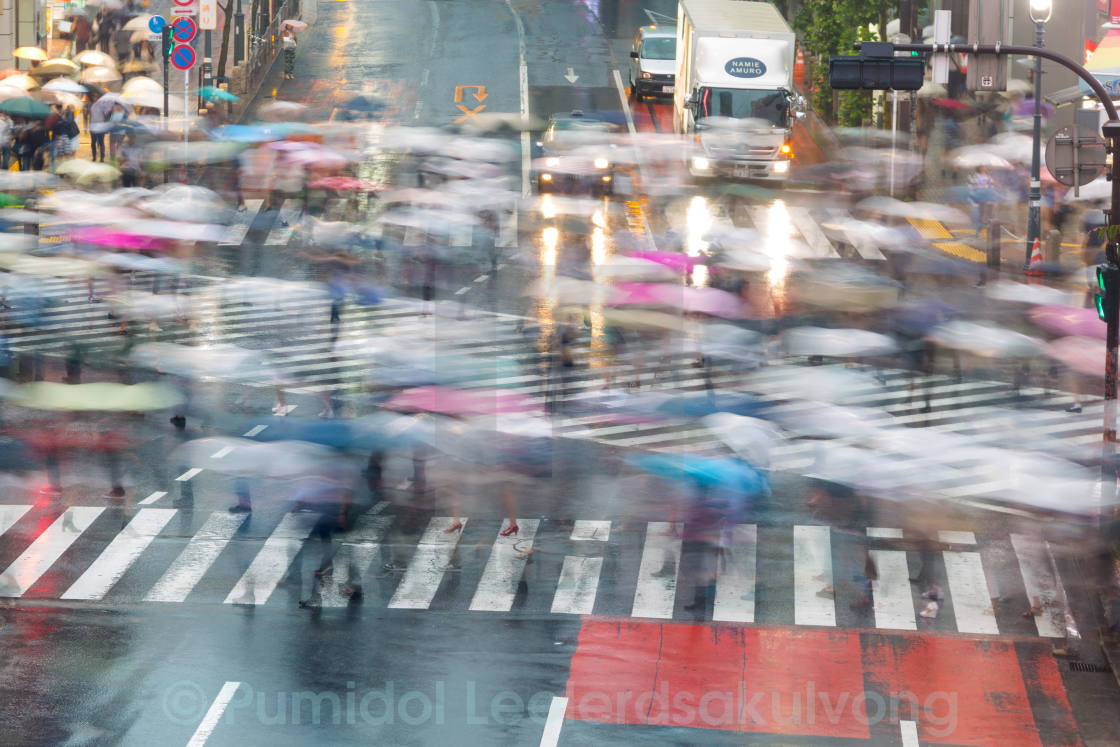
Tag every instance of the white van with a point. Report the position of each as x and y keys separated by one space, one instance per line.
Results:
x=653 y=62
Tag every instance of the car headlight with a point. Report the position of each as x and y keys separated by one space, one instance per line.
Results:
x=701 y=164
x=606 y=178
x=552 y=162
x=602 y=163
x=781 y=167
x=546 y=177
x=646 y=76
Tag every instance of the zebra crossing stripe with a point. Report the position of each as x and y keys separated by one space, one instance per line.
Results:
x=48 y=547
x=1040 y=583
x=120 y=554
x=578 y=585
x=812 y=574
x=584 y=530
x=353 y=560
x=245 y=219
x=272 y=561
x=812 y=233
x=735 y=583
x=429 y=564
x=893 y=600
x=972 y=601
x=196 y=558
x=657 y=574
x=498 y=586
x=10 y=514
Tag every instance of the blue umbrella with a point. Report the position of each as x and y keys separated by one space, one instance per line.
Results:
x=915 y=318
x=699 y=405
x=376 y=432
x=247 y=133
x=723 y=473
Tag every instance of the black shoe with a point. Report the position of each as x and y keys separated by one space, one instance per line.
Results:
x=1073 y=408
x=240 y=509
x=179 y=422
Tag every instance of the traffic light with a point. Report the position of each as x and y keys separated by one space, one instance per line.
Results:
x=876 y=69
x=1108 y=283
x=168 y=44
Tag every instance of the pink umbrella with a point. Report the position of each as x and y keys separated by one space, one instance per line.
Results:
x=459 y=402
x=345 y=184
x=710 y=301
x=675 y=260
x=635 y=294
x=118 y=239
x=319 y=157
x=293 y=145
x=1068 y=320
x=1081 y=354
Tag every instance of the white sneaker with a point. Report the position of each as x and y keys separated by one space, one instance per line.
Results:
x=280 y=410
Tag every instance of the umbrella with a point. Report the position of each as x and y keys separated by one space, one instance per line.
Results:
x=187 y=203
x=984 y=340
x=213 y=93
x=139 y=23
x=836 y=343
x=504 y=122
x=57 y=97
x=633 y=268
x=723 y=473
x=709 y=403
x=100 y=75
x=63 y=267
x=846 y=287
x=242 y=457
x=282 y=111
x=918 y=210
x=141 y=84
x=11 y=92
x=826 y=383
x=643 y=320
x=25 y=181
x=750 y=438
x=26 y=82
x=202 y=151
x=100 y=397
x=821 y=420
x=293 y=24
x=345 y=184
x=1069 y=320
x=145 y=98
x=931 y=90
x=1081 y=354
x=98 y=236
x=86 y=172
x=25 y=107
x=246 y=134
x=65 y=85
x=975 y=156
x=95 y=58
x=1098 y=189
x=566 y=291
x=915 y=318
x=951 y=104
x=458 y=402
x=8 y=72
x=34 y=54
x=203 y=362
x=128 y=261
x=56 y=66
x=361 y=103
x=1038 y=295
x=177 y=230
x=320 y=158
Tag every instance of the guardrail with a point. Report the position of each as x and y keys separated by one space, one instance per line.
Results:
x=265 y=47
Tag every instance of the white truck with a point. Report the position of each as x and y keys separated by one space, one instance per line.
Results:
x=734 y=88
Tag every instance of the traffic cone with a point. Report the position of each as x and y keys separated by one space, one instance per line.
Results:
x=1035 y=265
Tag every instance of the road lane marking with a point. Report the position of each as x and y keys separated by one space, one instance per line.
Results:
x=153 y=497
x=120 y=554
x=735 y=582
x=577 y=586
x=1040 y=584
x=625 y=103
x=361 y=546
x=950 y=537
x=893 y=600
x=584 y=531
x=498 y=586
x=222 y=452
x=213 y=714
x=909 y=733
x=657 y=574
x=48 y=547
x=523 y=90
x=425 y=573
x=256 y=429
x=555 y=720
x=812 y=573
x=196 y=558
x=968 y=588
x=272 y=562
x=884 y=533
x=9 y=515
x=188 y=474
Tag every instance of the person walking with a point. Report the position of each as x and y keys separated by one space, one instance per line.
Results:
x=289 y=41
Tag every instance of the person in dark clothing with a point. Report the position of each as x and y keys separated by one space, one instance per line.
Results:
x=32 y=147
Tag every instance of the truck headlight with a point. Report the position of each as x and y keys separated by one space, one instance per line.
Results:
x=606 y=179
x=646 y=76
x=602 y=163
x=781 y=167
x=701 y=164
x=546 y=177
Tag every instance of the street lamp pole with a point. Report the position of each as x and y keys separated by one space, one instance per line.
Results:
x=1040 y=14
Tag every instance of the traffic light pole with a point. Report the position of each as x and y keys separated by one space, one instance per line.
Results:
x=1111 y=131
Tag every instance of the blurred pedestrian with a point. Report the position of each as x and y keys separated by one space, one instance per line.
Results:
x=288 y=39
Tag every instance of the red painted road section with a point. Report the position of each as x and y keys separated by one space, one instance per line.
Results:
x=961 y=691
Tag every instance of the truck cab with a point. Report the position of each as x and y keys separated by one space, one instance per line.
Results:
x=741 y=132
x=653 y=62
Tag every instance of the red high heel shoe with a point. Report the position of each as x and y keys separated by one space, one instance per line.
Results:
x=456 y=526
x=510 y=530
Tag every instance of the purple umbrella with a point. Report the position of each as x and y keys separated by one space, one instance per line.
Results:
x=710 y=301
x=675 y=260
x=1068 y=320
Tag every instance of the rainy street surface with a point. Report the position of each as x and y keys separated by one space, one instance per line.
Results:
x=429 y=413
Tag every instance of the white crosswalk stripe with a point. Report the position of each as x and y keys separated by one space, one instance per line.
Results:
x=812 y=563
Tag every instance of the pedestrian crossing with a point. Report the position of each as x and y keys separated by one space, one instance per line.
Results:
x=762 y=574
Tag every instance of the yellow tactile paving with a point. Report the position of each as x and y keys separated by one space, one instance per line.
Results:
x=930 y=229
x=964 y=251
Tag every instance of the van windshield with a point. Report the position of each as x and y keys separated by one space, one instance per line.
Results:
x=664 y=48
x=743 y=103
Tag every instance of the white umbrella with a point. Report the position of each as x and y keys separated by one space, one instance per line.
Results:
x=918 y=210
x=138 y=23
x=931 y=90
x=177 y=230
x=95 y=58
x=1098 y=189
x=65 y=85
x=282 y=111
x=22 y=80
x=750 y=438
x=139 y=84
x=621 y=267
x=240 y=456
x=22 y=181
x=147 y=99
x=1038 y=295
x=10 y=92
x=975 y=156
x=985 y=340
x=826 y=383
x=227 y=362
x=822 y=420
x=840 y=343
x=100 y=74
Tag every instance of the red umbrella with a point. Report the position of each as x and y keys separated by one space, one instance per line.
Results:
x=345 y=184
x=460 y=402
x=951 y=104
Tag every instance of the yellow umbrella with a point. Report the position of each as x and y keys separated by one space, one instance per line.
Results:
x=57 y=66
x=95 y=58
x=88 y=172
x=30 y=53
x=24 y=81
x=97 y=397
x=643 y=320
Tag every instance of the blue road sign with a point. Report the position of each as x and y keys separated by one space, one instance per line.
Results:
x=182 y=56
x=156 y=24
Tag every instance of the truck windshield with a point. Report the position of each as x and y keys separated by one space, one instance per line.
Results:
x=742 y=103
x=659 y=49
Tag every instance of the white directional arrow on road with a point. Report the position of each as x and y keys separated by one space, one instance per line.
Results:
x=571 y=77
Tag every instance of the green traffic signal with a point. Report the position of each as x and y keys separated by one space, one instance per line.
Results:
x=1101 y=284
x=1102 y=314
